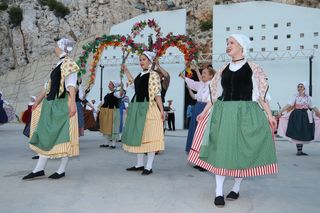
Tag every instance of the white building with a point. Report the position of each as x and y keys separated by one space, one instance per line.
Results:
x=169 y=21
x=284 y=37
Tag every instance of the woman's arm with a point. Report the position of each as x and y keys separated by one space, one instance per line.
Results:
x=127 y=72
x=204 y=111
x=72 y=101
x=285 y=108
x=160 y=105
x=39 y=99
x=266 y=107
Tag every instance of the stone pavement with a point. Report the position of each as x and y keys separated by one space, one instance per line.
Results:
x=96 y=181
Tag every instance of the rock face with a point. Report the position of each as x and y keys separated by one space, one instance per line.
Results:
x=26 y=50
x=40 y=26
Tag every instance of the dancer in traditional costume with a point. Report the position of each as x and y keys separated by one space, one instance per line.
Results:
x=54 y=123
x=3 y=114
x=237 y=140
x=202 y=96
x=300 y=128
x=143 y=131
x=110 y=115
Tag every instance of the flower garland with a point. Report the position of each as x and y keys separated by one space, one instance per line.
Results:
x=96 y=47
x=184 y=43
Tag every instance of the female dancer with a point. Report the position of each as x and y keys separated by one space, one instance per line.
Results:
x=237 y=140
x=301 y=126
x=54 y=123
x=143 y=131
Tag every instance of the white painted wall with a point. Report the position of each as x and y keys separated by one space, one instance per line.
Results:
x=283 y=74
x=169 y=21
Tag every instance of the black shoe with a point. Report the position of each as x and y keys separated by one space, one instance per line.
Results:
x=200 y=168
x=57 y=175
x=219 y=201
x=112 y=147
x=141 y=168
x=146 y=172
x=104 y=146
x=232 y=196
x=301 y=153
x=35 y=157
x=33 y=175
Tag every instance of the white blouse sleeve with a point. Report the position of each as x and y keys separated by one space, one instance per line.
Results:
x=292 y=101
x=310 y=102
x=71 y=80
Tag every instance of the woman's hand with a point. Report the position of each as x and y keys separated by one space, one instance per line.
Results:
x=72 y=109
x=124 y=68
x=34 y=106
x=273 y=122
x=200 y=117
x=162 y=115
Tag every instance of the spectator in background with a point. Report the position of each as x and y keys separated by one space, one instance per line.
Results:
x=171 y=118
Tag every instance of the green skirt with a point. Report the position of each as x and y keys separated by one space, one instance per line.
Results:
x=238 y=136
x=135 y=121
x=53 y=125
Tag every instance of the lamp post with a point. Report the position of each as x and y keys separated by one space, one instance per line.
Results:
x=101 y=70
x=310 y=75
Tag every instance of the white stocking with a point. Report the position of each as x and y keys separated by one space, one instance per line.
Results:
x=41 y=164
x=150 y=160
x=236 y=186
x=63 y=165
x=219 y=185
x=139 y=160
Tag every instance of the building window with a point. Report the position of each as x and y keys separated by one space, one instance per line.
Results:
x=114 y=57
x=288 y=48
x=251 y=27
x=263 y=49
x=251 y=49
x=288 y=24
x=275 y=37
x=227 y=28
x=263 y=26
x=288 y=36
x=315 y=46
x=239 y=27
x=275 y=25
x=301 y=35
x=141 y=35
x=132 y=56
x=301 y=47
x=275 y=48
x=251 y=38
x=263 y=37
x=170 y=53
x=315 y=34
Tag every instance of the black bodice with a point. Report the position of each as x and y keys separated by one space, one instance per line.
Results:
x=55 y=78
x=111 y=101
x=237 y=86
x=141 y=87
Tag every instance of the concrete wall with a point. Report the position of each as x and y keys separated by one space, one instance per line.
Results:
x=274 y=28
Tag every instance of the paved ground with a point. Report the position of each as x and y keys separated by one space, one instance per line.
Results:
x=97 y=181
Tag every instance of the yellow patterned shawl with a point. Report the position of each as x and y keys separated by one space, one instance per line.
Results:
x=68 y=67
x=154 y=86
